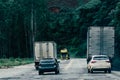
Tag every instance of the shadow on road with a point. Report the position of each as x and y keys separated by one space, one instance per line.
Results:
x=98 y=72
x=50 y=73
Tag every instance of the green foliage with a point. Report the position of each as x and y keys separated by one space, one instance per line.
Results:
x=6 y=63
x=117 y=12
x=68 y=28
x=92 y=4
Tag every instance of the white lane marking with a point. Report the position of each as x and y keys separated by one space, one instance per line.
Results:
x=68 y=66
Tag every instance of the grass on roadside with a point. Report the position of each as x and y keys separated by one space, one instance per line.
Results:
x=7 y=63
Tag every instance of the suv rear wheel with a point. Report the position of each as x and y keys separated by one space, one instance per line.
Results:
x=39 y=72
x=88 y=71
x=105 y=71
x=91 y=71
x=109 y=71
x=57 y=72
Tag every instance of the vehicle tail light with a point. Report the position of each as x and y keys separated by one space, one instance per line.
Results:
x=108 y=61
x=93 y=61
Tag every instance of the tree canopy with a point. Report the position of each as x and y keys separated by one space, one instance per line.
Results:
x=25 y=21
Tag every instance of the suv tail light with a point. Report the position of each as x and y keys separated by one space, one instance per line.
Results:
x=93 y=61
x=108 y=61
x=39 y=64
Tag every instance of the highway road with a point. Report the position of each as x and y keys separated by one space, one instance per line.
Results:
x=73 y=69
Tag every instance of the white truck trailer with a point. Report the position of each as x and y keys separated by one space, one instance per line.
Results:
x=44 y=49
x=100 y=41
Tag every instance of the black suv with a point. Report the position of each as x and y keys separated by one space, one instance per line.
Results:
x=48 y=65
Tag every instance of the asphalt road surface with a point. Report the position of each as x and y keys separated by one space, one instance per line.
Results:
x=73 y=69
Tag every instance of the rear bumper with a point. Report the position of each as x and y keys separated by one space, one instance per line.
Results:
x=47 y=69
x=100 y=69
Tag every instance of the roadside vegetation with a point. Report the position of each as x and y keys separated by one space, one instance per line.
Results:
x=65 y=25
x=8 y=63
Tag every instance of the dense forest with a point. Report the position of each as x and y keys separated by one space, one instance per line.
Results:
x=64 y=21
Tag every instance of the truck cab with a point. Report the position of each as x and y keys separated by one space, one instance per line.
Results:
x=64 y=53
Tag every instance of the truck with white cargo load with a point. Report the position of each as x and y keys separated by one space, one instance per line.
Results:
x=44 y=49
x=100 y=41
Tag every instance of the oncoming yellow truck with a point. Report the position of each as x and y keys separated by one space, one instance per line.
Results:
x=64 y=53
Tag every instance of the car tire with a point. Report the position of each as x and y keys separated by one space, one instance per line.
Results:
x=91 y=71
x=109 y=71
x=88 y=71
x=105 y=71
x=57 y=72
x=40 y=73
x=36 y=68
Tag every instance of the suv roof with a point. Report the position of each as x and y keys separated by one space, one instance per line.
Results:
x=99 y=55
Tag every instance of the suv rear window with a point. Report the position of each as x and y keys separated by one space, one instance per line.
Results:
x=47 y=61
x=100 y=58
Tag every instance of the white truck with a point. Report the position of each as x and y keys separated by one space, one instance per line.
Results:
x=44 y=49
x=100 y=41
